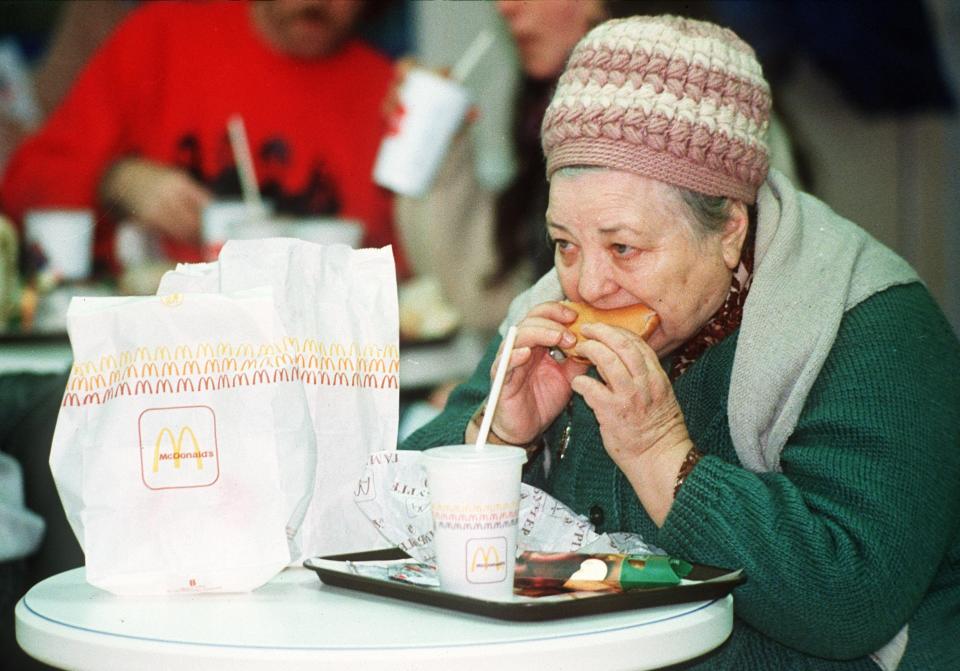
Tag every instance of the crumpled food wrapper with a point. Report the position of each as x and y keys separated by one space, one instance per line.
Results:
x=392 y=492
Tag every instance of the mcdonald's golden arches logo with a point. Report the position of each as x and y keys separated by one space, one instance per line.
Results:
x=178 y=447
x=486 y=559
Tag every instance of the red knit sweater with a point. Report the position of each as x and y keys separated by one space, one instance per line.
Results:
x=163 y=87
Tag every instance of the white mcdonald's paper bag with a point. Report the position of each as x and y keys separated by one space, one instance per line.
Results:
x=183 y=451
x=339 y=308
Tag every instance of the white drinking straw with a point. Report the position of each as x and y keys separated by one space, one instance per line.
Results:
x=497 y=386
x=461 y=69
x=244 y=160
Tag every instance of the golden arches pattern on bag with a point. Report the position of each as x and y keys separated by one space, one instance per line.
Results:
x=220 y=365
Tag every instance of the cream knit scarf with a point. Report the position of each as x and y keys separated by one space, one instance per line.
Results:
x=811 y=266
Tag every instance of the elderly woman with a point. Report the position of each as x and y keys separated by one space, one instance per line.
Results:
x=797 y=410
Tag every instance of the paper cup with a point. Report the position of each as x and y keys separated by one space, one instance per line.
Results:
x=65 y=240
x=431 y=109
x=474 y=500
x=326 y=231
x=226 y=219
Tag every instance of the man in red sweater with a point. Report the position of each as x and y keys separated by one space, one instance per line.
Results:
x=143 y=133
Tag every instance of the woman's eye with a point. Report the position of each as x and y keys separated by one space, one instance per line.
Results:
x=562 y=245
x=623 y=251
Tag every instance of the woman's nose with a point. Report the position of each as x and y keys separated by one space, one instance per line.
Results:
x=596 y=280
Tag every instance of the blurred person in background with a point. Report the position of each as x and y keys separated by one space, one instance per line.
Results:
x=475 y=240
x=139 y=135
x=77 y=30
x=80 y=29
x=477 y=243
x=795 y=412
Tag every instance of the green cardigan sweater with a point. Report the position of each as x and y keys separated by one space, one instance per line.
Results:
x=859 y=534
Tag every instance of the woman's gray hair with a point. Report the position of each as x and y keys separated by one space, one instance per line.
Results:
x=708 y=214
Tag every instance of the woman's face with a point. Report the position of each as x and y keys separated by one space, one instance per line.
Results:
x=546 y=32
x=621 y=239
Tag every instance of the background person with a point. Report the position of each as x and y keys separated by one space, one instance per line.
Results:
x=797 y=411
x=477 y=241
x=168 y=80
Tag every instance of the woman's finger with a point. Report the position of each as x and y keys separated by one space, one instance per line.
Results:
x=594 y=392
x=518 y=369
x=541 y=332
x=609 y=365
x=629 y=347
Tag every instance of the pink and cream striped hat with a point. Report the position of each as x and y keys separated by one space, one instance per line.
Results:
x=674 y=99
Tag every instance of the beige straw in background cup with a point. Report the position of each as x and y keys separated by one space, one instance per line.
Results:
x=237 y=132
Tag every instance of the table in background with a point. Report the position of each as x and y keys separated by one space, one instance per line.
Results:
x=35 y=355
x=295 y=622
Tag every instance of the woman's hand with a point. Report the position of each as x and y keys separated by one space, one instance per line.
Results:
x=162 y=199
x=640 y=420
x=536 y=387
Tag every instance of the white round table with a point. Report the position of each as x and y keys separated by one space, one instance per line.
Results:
x=297 y=622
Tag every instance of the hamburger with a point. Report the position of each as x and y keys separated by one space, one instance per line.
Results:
x=638 y=318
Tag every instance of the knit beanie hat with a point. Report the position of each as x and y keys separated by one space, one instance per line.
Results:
x=674 y=99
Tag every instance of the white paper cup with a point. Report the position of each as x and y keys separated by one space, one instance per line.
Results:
x=431 y=110
x=217 y=224
x=475 y=499
x=65 y=238
x=326 y=231
x=225 y=219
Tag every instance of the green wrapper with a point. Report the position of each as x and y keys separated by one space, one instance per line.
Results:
x=541 y=573
x=637 y=571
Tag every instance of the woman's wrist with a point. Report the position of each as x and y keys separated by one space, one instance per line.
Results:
x=654 y=474
x=473 y=430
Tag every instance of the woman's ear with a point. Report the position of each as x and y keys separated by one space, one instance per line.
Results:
x=734 y=233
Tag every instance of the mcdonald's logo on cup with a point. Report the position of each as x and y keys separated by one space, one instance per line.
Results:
x=178 y=447
x=486 y=560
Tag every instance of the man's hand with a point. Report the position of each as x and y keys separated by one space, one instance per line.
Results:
x=164 y=200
